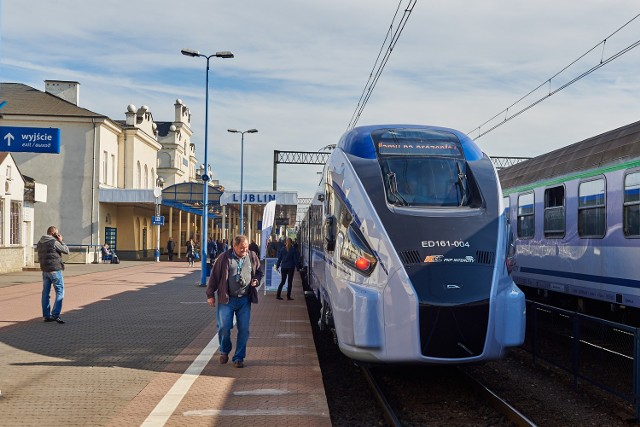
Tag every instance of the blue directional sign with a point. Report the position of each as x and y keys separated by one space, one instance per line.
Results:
x=157 y=220
x=31 y=140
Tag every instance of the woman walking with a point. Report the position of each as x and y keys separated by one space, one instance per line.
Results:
x=288 y=259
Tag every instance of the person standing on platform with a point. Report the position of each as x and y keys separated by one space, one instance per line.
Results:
x=171 y=246
x=288 y=259
x=235 y=276
x=272 y=251
x=211 y=249
x=253 y=246
x=50 y=249
x=190 y=254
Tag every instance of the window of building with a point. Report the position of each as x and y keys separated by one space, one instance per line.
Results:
x=554 y=212
x=105 y=160
x=139 y=176
x=631 y=205
x=8 y=172
x=16 y=221
x=146 y=177
x=592 y=209
x=113 y=170
x=526 y=217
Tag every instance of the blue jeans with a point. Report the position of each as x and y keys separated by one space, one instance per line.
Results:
x=241 y=307
x=52 y=278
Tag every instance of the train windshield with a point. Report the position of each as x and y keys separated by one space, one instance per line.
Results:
x=422 y=167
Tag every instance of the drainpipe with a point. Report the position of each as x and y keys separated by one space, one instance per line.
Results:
x=93 y=188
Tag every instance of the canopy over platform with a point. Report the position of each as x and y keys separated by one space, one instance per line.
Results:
x=187 y=196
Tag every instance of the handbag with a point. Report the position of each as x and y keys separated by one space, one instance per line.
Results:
x=196 y=255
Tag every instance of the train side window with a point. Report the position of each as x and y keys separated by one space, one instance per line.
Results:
x=554 y=212
x=592 y=208
x=526 y=216
x=631 y=205
x=507 y=208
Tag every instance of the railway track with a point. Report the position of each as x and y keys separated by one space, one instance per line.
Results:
x=461 y=398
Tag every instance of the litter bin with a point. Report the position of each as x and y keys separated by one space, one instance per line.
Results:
x=209 y=267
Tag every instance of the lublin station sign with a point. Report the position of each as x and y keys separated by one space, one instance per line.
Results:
x=31 y=140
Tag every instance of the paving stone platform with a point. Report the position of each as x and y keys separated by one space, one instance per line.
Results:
x=140 y=348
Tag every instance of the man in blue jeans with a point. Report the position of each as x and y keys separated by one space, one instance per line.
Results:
x=50 y=249
x=235 y=276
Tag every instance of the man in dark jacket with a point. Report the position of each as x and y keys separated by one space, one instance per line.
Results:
x=171 y=246
x=50 y=249
x=235 y=276
x=253 y=246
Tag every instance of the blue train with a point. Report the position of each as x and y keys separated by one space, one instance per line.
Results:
x=407 y=248
x=576 y=217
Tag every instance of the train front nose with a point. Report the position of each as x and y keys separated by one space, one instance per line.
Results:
x=453 y=331
x=453 y=308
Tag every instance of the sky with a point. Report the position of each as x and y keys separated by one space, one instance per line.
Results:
x=300 y=67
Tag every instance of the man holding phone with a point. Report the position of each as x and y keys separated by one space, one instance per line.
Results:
x=50 y=249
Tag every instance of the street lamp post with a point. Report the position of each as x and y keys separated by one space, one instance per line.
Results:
x=157 y=192
x=242 y=172
x=205 y=176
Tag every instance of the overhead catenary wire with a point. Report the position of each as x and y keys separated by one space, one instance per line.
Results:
x=391 y=37
x=603 y=62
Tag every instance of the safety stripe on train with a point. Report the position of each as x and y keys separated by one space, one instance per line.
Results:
x=618 y=281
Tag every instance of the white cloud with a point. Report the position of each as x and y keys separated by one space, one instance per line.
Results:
x=299 y=69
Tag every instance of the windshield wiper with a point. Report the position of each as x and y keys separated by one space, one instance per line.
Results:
x=462 y=182
x=393 y=188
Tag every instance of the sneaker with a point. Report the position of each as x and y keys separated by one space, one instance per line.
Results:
x=278 y=297
x=49 y=319
x=238 y=364
x=57 y=319
x=224 y=358
x=289 y=298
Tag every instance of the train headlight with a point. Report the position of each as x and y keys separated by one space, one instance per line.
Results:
x=363 y=264
x=356 y=252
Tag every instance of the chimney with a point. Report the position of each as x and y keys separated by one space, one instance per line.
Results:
x=182 y=113
x=69 y=91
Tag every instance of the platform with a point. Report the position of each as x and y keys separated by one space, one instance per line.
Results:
x=140 y=348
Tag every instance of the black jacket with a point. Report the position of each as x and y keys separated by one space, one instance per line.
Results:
x=50 y=253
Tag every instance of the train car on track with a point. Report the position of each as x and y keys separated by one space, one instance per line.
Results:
x=406 y=243
x=576 y=213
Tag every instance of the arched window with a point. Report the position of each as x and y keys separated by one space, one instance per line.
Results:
x=138 y=178
x=146 y=177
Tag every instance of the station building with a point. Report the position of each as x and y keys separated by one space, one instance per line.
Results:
x=18 y=195
x=101 y=185
x=113 y=177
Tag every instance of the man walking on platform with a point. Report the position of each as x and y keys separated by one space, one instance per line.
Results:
x=50 y=249
x=171 y=246
x=235 y=276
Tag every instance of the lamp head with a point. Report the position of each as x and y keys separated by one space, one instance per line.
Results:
x=252 y=131
x=232 y=130
x=224 y=54
x=190 y=52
